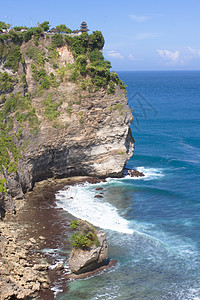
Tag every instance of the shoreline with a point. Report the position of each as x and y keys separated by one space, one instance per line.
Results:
x=37 y=232
x=37 y=226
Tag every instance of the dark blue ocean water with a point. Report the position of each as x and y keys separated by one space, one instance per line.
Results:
x=152 y=223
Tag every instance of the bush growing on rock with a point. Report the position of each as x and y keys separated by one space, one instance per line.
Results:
x=74 y=224
x=78 y=240
x=85 y=235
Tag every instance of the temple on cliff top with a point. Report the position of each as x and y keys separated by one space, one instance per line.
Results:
x=83 y=27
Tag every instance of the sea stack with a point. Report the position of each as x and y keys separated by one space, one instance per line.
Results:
x=90 y=250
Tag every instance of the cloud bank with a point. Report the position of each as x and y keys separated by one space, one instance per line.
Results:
x=171 y=57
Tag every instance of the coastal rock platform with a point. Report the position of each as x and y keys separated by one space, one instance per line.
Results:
x=30 y=264
x=103 y=266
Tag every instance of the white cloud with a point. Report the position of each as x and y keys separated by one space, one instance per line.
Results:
x=114 y=54
x=170 y=56
x=194 y=52
x=139 y=19
x=146 y=35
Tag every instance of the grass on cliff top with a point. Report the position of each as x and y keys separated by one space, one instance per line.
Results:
x=86 y=49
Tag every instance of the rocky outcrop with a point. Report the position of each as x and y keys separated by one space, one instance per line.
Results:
x=89 y=134
x=133 y=173
x=82 y=261
x=90 y=248
x=19 y=278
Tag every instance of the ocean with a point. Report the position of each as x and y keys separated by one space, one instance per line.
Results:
x=152 y=223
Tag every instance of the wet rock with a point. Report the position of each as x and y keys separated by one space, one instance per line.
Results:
x=133 y=173
x=59 y=266
x=104 y=266
x=99 y=189
x=98 y=196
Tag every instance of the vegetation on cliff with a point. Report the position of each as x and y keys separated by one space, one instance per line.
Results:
x=34 y=55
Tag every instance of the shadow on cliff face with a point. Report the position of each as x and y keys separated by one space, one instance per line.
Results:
x=2 y=210
x=61 y=163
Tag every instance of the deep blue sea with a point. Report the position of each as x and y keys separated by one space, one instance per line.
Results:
x=152 y=223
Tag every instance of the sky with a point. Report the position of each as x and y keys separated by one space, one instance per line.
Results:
x=139 y=34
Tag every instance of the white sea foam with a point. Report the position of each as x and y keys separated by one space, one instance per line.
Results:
x=151 y=173
x=80 y=202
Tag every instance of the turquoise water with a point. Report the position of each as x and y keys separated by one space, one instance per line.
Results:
x=152 y=223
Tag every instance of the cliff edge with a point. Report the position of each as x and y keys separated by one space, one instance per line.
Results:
x=63 y=113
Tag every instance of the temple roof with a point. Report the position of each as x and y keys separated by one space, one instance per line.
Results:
x=54 y=30
x=84 y=27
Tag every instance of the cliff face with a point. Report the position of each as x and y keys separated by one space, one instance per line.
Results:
x=65 y=128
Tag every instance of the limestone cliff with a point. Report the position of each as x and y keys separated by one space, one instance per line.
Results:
x=60 y=121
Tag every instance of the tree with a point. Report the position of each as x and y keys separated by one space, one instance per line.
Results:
x=96 y=40
x=63 y=28
x=45 y=25
x=18 y=28
x=3 y=25
x=57 y=40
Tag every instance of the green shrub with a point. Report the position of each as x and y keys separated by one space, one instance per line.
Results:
x=118 y=106
x=51 y=107
x=57 y=40
x=78 y=44
x=36 y=54
x=74 y=224
x=43 y=78
x=23 y=80
x=81 y=61
x=96 y=40
x=6 y=82
x=74 y=75
x=3 y=185
x=18 y=28
x=17 y=37
x=32 y=31
x=63 y=28
x=45 y=25
x=12 y=55
x=114 y=76
x=111 y=87
x=85 y=236
x=78 y=240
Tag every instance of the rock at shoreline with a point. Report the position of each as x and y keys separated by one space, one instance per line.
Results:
x=133 y=173
x=98 y=196
x=99 y=189
x=86 y=259
x=18 y=278
x=105 y=265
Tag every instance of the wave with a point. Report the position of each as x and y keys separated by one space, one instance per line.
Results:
x=151 y=173
x=79 y=201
